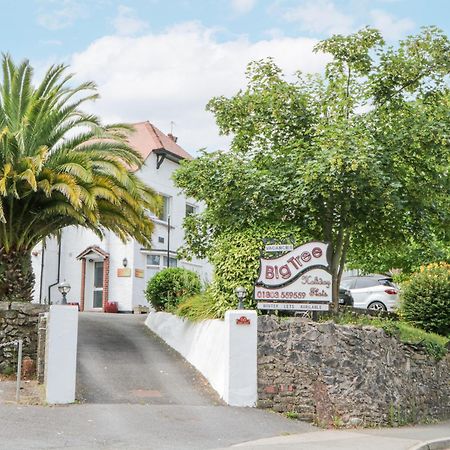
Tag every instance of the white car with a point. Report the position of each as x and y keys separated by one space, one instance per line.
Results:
x=376 y=292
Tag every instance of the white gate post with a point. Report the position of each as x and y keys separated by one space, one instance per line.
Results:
x=61 y=354
x=241 y=358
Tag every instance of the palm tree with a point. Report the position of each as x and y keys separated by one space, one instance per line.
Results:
x=60 y=167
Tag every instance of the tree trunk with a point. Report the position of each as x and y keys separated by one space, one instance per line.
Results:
x=16 y=276
x=334 y=293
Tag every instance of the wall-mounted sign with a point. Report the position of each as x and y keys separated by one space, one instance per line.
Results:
x=279 y=248
x=298 y=280
x=124 y=272
x=243 y=321
x=139 y=273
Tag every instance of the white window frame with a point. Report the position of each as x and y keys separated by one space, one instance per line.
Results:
x=169 y=208
x=162 y=262
x=194 y=207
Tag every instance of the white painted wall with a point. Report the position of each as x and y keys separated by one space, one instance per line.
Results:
x=61 y=354
x=223 y=351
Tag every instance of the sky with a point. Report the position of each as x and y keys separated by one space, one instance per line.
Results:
x=162 y=60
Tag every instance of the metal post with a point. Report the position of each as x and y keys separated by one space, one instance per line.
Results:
x=168 y=241
x=19 y=370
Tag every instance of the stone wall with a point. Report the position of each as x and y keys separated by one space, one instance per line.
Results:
x=347 y=375
x=18 y=321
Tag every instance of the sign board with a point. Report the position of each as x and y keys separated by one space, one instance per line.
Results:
x=279 y=248
x=293 y=306
x=297 y=280
x=243 y=321
x=139 y=273
x=124 y=272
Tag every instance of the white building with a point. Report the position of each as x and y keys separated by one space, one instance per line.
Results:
x=101 y=271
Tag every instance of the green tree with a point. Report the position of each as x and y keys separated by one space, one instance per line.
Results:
x=356 y=156
x=59 y=167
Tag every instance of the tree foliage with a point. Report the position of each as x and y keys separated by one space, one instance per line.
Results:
x=59 y=167
x=358 y=156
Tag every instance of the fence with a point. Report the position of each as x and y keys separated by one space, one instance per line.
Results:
x=19 y=344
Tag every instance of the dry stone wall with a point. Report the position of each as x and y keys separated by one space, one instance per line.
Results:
x=18 y=321
x=347 y=375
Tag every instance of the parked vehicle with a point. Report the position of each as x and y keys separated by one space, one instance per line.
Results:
x=376 y=292
x=345 y=297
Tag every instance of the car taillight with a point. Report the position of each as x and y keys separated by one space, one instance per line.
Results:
x=390 y=291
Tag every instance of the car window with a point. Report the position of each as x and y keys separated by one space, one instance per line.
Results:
x=347 y=284
x=386 y=282
x=366 y=282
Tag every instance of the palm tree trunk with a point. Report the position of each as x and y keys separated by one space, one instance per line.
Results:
x=16 y=275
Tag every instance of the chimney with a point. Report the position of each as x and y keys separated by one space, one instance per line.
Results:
x=171 y=136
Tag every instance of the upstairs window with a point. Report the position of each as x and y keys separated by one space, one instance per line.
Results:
x=165 y=210
x=190 y=209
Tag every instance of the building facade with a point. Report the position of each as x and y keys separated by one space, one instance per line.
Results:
x=108 y=270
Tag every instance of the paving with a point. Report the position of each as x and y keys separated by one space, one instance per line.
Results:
x=404 y=438
x=134 y=392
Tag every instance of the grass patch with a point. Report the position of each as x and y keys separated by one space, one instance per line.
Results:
x=198 y=307
x=434 y=344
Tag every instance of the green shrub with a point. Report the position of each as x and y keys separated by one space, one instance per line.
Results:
x=426 y=299
x=168 y=287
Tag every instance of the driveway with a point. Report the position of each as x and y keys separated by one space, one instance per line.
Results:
x=121 y=361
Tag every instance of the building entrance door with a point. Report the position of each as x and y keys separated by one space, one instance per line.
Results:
x=97 y=295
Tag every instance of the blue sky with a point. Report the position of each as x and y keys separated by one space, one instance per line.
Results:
x=161 y=60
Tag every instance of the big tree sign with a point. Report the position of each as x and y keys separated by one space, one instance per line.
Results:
x=298 y=280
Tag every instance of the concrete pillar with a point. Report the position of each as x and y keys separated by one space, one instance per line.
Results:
x=241 y=358
x=61 y=354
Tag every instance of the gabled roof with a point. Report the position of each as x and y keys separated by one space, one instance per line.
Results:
x=93 y=249
x=147 y=139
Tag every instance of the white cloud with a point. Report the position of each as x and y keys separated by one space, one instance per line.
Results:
x=320 y=16
x=127 y=23
x=170 y=76
x=390 y=27
x=243 y=6
x=59 y=14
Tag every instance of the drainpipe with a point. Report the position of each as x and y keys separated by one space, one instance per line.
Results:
x=168 y=241
x=42 y=270
x=59 y=270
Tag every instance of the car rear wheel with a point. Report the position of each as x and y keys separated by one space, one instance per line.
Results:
x=377 y=306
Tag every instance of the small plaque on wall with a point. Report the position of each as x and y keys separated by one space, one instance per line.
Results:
x=124 y=272
x=139 y=273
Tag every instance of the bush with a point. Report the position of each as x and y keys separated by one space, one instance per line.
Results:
x=168 y=287
x=426 y=299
